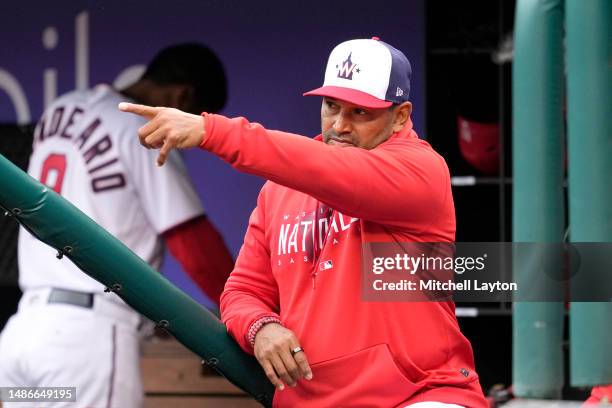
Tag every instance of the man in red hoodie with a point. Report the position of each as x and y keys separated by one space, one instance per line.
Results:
x=294 y=297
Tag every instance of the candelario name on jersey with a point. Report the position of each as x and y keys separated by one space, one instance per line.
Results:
x=94 y=145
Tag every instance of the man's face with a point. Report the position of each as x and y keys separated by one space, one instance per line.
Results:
x=346 y=124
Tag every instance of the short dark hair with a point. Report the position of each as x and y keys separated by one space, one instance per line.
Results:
x=191 y=64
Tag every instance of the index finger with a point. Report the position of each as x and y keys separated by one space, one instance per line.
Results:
x=145 y=111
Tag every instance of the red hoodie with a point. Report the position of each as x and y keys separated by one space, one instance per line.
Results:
x=308 y=273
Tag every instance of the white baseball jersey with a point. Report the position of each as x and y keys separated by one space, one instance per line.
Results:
x=88 y=151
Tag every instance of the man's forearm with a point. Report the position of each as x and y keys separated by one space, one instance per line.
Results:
x=200 y=250
x=355 y=181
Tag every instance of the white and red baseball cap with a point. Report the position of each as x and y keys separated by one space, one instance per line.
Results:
x=366 y=72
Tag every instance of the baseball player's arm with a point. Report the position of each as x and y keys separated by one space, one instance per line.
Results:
x=250 y=306
x=251 y=291
x=200 y=250
x=397 y=183
x=391 y=184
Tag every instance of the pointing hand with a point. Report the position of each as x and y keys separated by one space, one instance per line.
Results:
x=167 y=129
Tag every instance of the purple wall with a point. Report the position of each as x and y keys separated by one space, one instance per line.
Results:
x=272 y=50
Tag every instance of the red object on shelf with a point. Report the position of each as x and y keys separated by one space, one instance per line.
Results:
x=479 y=144
x=599 y=395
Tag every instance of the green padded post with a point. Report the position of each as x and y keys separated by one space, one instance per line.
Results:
x=589 y=88
x=538 y=211
x=56 y=222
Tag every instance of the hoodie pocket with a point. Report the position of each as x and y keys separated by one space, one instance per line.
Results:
x=368 y=378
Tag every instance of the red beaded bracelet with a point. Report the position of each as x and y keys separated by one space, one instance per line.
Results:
x=257 y=325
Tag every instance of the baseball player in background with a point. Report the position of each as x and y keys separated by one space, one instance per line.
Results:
x=67 y=331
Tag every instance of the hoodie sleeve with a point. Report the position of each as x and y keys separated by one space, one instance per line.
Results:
x=401 y=182
x=251 y=291
x=200 y=250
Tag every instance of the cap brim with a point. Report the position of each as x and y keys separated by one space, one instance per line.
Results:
x=350 y=95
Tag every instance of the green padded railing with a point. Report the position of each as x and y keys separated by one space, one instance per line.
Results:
x=589 y=110
x=538 y=209
x=56 y=222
